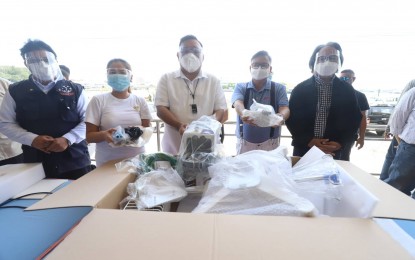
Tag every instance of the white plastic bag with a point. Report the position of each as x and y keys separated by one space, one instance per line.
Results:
x=262 y=115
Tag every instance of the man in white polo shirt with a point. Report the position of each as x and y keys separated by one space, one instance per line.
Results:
x=187 y=94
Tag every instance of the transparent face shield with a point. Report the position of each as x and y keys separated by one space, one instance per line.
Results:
x=43 y=65
x=327 y=62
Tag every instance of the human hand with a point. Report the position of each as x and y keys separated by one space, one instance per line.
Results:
x=325 y=145
x=360 y=142
x=42 y=142
x=59 y=144
x=108 y=135
x=182 y=128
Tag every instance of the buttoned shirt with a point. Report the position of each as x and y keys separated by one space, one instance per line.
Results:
x=402 y=121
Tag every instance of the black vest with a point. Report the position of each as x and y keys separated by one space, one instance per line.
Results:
x=53 y=114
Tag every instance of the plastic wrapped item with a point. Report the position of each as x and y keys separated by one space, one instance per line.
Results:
x=319 y=181
x=263 y=115
x=254 y=183
x=143 y=163
x=198 y=150
x=135 y=136
x=156 y=188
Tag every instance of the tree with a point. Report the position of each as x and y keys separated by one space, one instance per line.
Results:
x=14 y=74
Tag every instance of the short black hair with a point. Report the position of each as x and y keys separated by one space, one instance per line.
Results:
x=334 y=45
x=65 y=71
x=262 y=54
x=348 y=71
x=189 y=37
x=35 y=45
x=124 y=62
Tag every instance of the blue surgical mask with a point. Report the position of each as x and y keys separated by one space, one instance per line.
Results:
x=118 y=82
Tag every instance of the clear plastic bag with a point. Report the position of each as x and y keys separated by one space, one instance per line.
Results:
x=254 y=183
x=135 y=136
x=262 y=115
x=143 y=163
x=319 y=181
x=198 y=150
x=156 y=188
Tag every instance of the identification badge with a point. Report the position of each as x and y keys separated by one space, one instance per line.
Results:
x=194 y=108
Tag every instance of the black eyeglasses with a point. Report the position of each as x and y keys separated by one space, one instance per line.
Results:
x=260 y=65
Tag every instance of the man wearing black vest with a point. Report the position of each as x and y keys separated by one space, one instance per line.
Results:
x=46 y=114
x=264 y=91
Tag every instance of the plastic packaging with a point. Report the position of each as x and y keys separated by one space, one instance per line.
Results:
x=198 y=150
x=143 y=163
x=254 y=183
x=263 y=115
x=135 y=136
x=156 y=188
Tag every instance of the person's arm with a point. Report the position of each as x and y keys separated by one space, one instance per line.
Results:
x=284 y=111
x=145 y=122
x=169 y=118
x=8 y=124
x=401 y=112
x=219 y=114
x=360 y=142
x=94 y=135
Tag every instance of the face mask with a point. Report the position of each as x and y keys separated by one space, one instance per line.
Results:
x=44 y=71
x=190 y=62
x=259 y=73
x=118 y=82
x=327 y=68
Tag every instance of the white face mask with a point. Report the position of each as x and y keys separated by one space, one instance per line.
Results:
x=259 y=73
x=327 y=68
x=190 y=62
x=43 y=71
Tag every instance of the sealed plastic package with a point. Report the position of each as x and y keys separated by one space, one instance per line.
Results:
x=143 y=163
x=198 y=150
x=254 y=183
x=262 y=115
x=136 y=136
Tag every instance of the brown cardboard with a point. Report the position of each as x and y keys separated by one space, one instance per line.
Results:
x=114 y=234
x=392 y=202
x=104 y=187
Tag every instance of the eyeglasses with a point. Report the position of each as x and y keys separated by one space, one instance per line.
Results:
x=345 y=78
x=332 y=58
x=194 y=50
x=38 y=60
x=260 y=65
x=118 y=71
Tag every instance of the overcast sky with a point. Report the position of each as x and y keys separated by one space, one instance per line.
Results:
x=377 y=36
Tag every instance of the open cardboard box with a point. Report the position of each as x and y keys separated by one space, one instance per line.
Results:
x=114 y=234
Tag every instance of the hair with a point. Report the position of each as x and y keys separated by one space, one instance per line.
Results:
x=334 y=45
x=262 y=54
x=65 y=71
x=124 y=62
x=189 y=37
x=349 y=71
x=35 y=45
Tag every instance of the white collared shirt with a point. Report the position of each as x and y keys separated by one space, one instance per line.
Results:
x=402 y=121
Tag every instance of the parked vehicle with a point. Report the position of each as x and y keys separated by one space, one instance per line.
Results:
x=378 y=117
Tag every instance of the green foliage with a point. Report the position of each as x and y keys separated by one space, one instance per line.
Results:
x=14 y=74
x=229 y=86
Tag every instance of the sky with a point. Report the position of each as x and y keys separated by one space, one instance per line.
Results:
x=377 y=36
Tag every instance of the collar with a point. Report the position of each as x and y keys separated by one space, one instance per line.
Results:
x=49 y=86
x=179 y=74
x=321 y=82
x=267 y=85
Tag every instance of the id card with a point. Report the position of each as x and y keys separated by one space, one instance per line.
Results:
x=194 y=108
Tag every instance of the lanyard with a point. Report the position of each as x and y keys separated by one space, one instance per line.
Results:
x=192 y=93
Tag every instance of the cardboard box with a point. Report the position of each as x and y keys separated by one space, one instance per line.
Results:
x=15 y=178
x=114 y=234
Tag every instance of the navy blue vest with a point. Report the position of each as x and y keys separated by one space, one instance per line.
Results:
x=53 y=114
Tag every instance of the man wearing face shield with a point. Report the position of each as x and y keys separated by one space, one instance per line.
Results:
x=324 y=109
x=46 y=114
x=187 y=94
x=264 y=91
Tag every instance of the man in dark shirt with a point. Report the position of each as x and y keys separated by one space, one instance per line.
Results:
x=349 y=77
x=324 y=109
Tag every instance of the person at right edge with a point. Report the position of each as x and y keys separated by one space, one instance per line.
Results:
x=324 y=110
